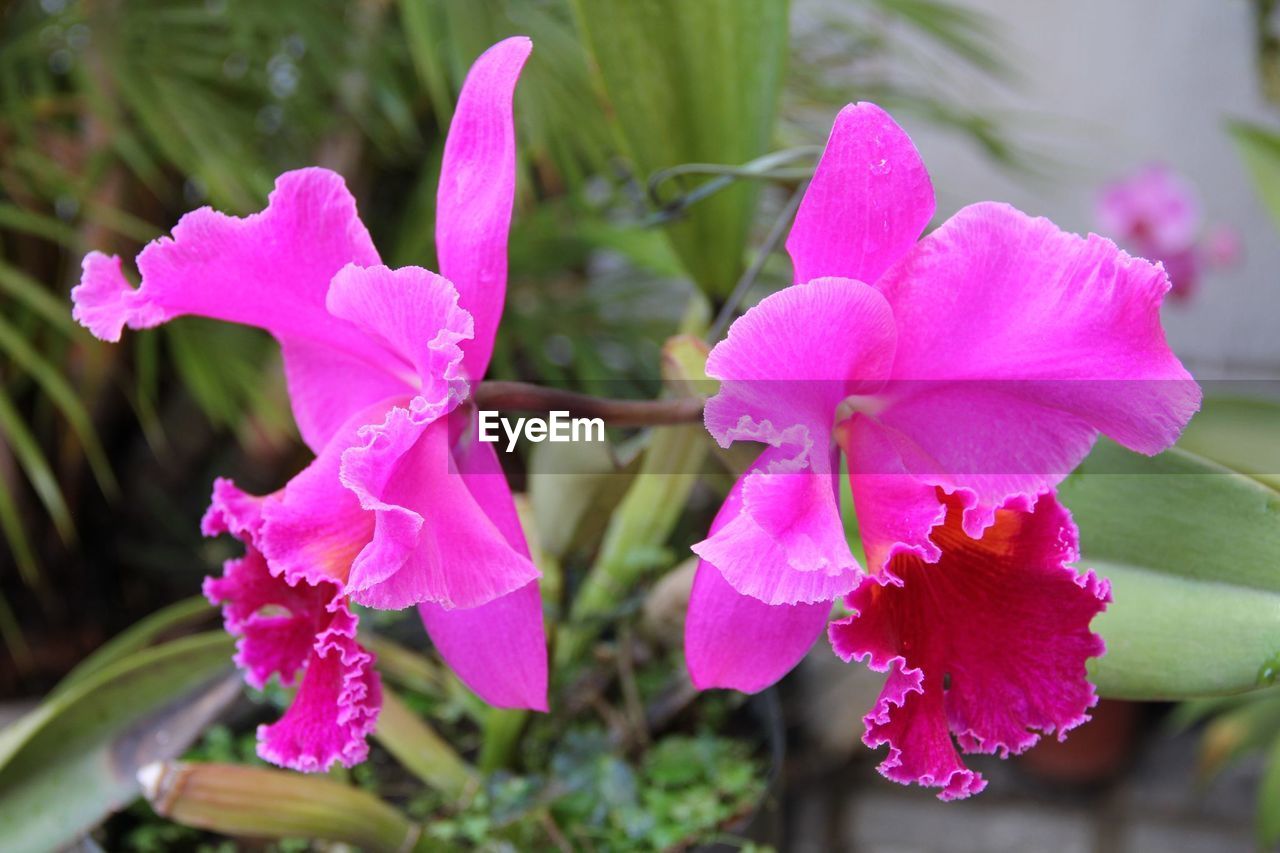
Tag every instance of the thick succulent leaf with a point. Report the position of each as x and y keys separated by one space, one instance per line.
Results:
x=694 y=83
x=1267 y=817
x=74 y=759
x=1193 y=552
x=1240 y=434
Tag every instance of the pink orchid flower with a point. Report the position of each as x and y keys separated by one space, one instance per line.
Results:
x=963 y=375
x=1155 y=212
x=402 y=506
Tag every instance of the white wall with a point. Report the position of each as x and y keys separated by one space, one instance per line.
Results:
x=1106 y=85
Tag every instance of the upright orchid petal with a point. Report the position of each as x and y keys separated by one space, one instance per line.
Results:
x=737 y=641
x=272 y=270
x=987 y=644
x=1071 y=323
x=432 y=542
x=785 y=368
x=870 y=200
x=477 y=191
x=498 y=649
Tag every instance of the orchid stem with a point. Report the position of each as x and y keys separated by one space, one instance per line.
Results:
x=501 y=732
x=527 y=397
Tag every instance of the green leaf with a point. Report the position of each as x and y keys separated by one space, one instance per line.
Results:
x=182 y=615
x=694 y=82
x=266 y=803
x=638 y=530
x=1192 y=550
x=36 y=296
x=1240 y=434
x=573 y=489
x=15 y=432
x=75 y=758
x=420 y=749
x=1267 y=814
x=1260 y=149
x=1239 y=731
x=50 y=379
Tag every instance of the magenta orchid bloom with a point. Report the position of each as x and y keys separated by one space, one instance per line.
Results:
x=1155 y=212
x=402 y=505
x=963 y=375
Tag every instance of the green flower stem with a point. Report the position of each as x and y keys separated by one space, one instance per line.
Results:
x=502 y=730
x=647 y=514
x=420 y=749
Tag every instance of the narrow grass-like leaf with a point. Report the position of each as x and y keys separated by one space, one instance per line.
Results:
x=14 y=431
x=420 y=749
x=51 y=381
x=181 y=615
x=36 y=296
x=694 y=83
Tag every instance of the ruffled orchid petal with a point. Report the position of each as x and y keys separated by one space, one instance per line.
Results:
x=232 y=511
x=498 y=649
x=415 y=313
x=315 y=527
x=300 y=629
x=870 y=200
x=275 y=622
x=432 y=542
x=987 y=644
x=785 y=367
x=794 y=357
x=477 y=191
x=332 y=715
x=104 y=300
x=1085 y=339
x=802 y=555
x=272 y=270
x=327 y=385
x=737 y=641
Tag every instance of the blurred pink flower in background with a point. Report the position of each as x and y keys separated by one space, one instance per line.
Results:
x=1155 y=213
